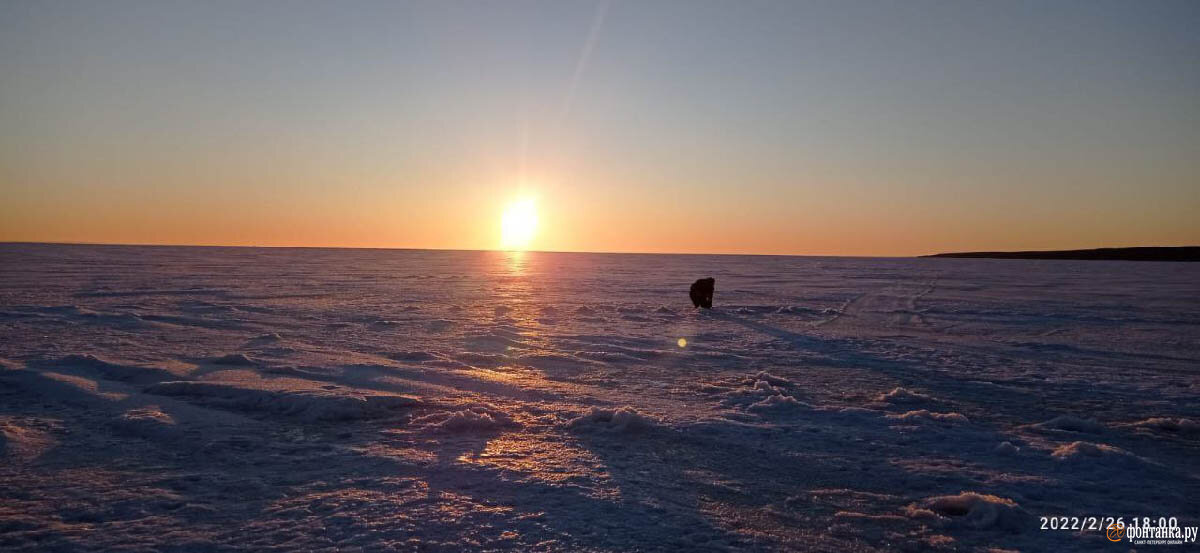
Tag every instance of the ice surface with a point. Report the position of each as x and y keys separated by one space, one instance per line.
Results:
x=470 y=420
x=1167 y=424
x=207 y=399
x=623 y=419
x=1072 y=424
x=903 y=395
x=1079 y=451
x=923 y=414
x=974 y=510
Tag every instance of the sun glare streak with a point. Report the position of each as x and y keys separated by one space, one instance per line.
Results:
x=581 y=64
x=518 y=225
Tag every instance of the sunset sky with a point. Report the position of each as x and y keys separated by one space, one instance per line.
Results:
x=843 y=128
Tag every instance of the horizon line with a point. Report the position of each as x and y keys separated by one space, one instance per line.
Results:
x=400 y=248
x=915 y=256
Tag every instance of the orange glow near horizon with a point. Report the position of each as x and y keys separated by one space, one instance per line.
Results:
x=473 y=213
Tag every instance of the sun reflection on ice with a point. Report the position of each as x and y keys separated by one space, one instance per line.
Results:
x=517 y=262
x=548 y=460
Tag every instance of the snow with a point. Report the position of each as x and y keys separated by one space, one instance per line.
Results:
x=470 y=420
x=1007 y=448
x=778 y=402
x=235 y=359
x=1167 y=424
x=923 y=414
x=1081 y=451
x=771 y=380
x=161 y=398
x=974 y=510
x=1072 y=424
x=623 y=419
x=903 y=395
x=146 y=422
x=304 y=404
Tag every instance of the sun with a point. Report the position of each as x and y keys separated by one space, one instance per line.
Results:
x=518 y=225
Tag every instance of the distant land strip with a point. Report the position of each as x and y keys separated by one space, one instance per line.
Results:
x=1184 y=253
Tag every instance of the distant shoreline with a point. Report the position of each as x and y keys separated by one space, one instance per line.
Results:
x=1155 y=253
x=1183 y=253
x=416 y=249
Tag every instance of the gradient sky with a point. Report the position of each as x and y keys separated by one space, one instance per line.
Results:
x=845 y=128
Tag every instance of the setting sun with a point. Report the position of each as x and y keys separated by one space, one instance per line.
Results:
x=518 y=225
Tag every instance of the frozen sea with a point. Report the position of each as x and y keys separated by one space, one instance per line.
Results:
x=213 y=399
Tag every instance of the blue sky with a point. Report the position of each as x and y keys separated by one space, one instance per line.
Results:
x=881 y=128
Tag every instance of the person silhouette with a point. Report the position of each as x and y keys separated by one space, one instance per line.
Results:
x=702 y=292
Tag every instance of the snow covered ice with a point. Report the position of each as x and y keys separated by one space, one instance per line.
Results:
x=197 y=399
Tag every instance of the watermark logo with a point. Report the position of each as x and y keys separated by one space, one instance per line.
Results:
x=1116 y=532
x=1166 y=532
